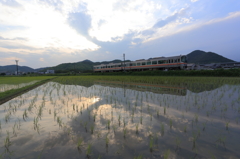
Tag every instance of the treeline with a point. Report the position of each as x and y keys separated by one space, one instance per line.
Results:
x=212 y=73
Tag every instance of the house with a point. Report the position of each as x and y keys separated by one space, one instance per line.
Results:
x=50 y=72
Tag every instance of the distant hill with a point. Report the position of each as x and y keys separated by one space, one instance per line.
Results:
x=85 y=65
x=197 y=56
x=12 y=68
x=202 y=57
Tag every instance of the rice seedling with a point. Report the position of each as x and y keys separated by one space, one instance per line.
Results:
x=164 y=110
x=227 y=123
x=137 y=128
x=151 y=144
x=138 y=157
x=107 y=140
x=108 y=124
x=124 y=132
x=119 y=119
x=166 y=154
x=85 y=125
x=79 y=143
x=162 y=129
x=7 y=141
x=170 y=123
x=185 y=129
x=92 y=128
x=141 y=118
x=178 y=142
x=89 y=151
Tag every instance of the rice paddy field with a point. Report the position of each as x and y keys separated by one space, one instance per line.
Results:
x=8 y=83
x=124 y=117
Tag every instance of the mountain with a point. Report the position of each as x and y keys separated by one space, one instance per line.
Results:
x=202 y=57
x=81 y=66
x=12 y=68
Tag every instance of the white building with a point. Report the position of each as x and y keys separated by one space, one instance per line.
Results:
x=50 y=72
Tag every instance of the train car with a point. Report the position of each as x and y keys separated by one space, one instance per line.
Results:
x=157 y=63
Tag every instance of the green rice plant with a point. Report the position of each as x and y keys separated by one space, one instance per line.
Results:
x=170 y=123
x=85 y=125
x=178 y=142
x=79 y=143
x=204 y=126
x=59 y=121
x=185 y=129
x=151 y=144
x=158 y=114
x=25 y=115
x=108 y=124
x=196 y=118
x=221 y=139
x=119 y=119
x=92 y=128
x=89 y=150
x=7 y=141
x=107 y=140
x=227 y=123
x=141 y=118
x=7 y=117
x=137 y=128
x=162 y=129
x=138 y=157
x=164 y=110
x=124 y=123
x=166 y=154
x=114 y=128
x=124 y=132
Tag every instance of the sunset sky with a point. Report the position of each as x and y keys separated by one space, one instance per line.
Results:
x=41 y=33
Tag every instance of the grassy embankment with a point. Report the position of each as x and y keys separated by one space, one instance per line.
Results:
x=7 y=95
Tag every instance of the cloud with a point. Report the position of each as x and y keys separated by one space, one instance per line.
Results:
x=45 y=27
x=175 y=16
x=10 y=60
x=81 y=22
x=41 y=59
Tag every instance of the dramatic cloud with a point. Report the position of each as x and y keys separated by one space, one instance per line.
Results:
x=49 y=32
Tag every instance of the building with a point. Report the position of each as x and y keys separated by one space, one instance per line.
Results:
x=50 y=72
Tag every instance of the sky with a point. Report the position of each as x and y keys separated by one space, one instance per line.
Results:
x=43 y=33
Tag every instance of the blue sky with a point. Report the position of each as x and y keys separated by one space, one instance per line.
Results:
x=44 y=33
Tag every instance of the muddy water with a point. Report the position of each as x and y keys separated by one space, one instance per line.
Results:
x=121 y=120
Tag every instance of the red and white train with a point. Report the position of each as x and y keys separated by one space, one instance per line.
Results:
x=157 y=63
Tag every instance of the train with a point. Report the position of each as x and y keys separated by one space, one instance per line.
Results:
x=156 y=63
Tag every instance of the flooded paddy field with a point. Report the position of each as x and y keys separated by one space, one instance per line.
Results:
x=8 y=83
x=97 y=118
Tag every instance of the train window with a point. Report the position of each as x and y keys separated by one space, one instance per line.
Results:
x=139 y=64
x=165 y=61
x=108 y=67
x=143 y=63
x=178 y=60
x=183 y=59
x=149 y=63
x=154 y=62
x=160 y=62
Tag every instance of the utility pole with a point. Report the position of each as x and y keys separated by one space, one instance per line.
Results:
x=124 y=61
x=17 y=65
